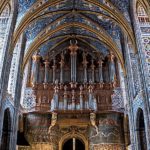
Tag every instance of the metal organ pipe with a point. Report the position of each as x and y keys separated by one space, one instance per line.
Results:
x=81 y=97
x=65 y=98
x=46 y=71
x=61 y=68
x=35 y=70
x=93 y=71
x=73 y=54
x=100 y=64
x=75 y=66
x=54 y=70
x=54 y=102
x=112 y=67
x=42 y=74
x=85 y=67
x=73 y=100
x=90 y=96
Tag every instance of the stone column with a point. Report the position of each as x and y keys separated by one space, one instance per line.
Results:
x=17 y=96
x=144 y=76
x=130 y=94
x=7 y=53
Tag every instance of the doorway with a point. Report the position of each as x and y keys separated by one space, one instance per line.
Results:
x=141 y=130
x=6 y=131
x=73 y=144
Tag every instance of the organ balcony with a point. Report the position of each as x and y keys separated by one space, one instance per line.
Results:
x=74 y=80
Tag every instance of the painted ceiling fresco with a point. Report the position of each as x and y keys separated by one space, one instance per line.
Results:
x=95 y=14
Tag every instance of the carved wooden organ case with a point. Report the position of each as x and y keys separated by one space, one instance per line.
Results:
x=73 y=79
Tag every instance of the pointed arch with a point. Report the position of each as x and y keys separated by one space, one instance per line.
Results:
x=4 y=23
x=34 y=11
x=103 y=36
x=31 y=15
x=6 y=130
x=140 y=127
x=3 y=5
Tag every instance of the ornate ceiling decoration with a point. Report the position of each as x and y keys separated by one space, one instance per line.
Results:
x=99 y=23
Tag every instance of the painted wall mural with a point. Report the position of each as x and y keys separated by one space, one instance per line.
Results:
x=110 y=133
x=37 y=127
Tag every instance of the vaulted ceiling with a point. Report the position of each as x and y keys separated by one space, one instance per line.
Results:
x=98 y=25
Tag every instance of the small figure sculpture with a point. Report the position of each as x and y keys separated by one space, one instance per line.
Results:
x=91 y=96
x=54 y=102
x=53 y=121
x=93 y=121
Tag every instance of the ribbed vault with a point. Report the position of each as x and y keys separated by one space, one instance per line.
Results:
x=90 y=20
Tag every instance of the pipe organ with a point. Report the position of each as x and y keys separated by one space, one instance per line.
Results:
x=73 y=80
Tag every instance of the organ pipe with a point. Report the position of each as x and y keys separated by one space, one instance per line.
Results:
x=35 y=70
x=93 y=71
x=73 y=54
x=85 y=67
x=46 y=71
x=100 y=66
x=54 y=70
x=112 y=67
x=62 y=68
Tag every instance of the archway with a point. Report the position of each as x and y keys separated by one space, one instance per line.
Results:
x=70 y=136
x=73 y=144
x=6 y=130
x=141 y=134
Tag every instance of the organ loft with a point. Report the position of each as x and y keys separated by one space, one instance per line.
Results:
x=73 y=79
x=74 y=75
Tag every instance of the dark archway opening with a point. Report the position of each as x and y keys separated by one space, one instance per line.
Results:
x=74 y=144
x=6 y=131
x=141 y=131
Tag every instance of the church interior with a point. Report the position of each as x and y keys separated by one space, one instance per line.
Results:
x=74 y=74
